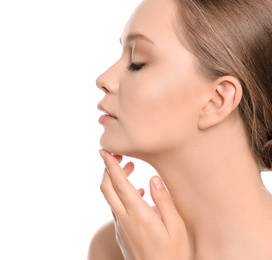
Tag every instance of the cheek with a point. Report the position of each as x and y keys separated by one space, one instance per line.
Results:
x=158 y=110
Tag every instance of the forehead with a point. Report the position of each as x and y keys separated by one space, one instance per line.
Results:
x=153 y=18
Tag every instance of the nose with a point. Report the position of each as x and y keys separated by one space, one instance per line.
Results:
x=108 y=81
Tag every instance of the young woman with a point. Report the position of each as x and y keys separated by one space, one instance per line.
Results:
x=190 y=95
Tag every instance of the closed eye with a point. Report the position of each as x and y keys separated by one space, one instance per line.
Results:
x=135 y=66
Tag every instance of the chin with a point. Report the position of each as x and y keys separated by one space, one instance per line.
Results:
x=111 y=146
x=117 y=147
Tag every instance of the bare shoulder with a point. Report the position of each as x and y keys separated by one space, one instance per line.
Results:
x=103 y=245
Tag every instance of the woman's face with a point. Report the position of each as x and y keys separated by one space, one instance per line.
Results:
x=153 y=92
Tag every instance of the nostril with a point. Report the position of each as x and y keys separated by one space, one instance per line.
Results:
x=104 y=89
x=101 y=85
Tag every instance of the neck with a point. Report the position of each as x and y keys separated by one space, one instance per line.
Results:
x=218 y=192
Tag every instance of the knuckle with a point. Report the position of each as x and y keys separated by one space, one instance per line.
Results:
x=103 y=187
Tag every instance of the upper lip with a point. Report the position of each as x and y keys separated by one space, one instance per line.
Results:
x=101 y=108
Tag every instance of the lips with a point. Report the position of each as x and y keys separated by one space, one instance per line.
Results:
x=101 y=108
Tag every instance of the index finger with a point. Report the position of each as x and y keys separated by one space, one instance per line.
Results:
x=126 y=192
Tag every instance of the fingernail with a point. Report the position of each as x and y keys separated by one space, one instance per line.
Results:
x=102 y=154
x=157 y=183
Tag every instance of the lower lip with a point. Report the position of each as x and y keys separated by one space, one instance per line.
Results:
x=105 y=119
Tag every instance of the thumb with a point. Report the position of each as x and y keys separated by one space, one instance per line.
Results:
x=165 y=204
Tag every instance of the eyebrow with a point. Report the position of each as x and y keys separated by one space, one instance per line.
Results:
x=134 y=36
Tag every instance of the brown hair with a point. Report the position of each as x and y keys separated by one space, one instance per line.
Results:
x=234 y=37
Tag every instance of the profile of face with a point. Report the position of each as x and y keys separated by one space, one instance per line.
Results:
x=153 y=93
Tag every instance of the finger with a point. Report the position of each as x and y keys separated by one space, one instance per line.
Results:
x=110 y=195
x=141 y=192
x=124 y=189
x=107 y=187
x=128 y=168
x=165 y=204
x=118 y=157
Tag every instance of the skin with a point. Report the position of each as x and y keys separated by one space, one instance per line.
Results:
x=188 y=128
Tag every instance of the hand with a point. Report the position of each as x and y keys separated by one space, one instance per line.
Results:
x=141 y=232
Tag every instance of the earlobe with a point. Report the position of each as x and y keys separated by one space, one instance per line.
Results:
x=226 y=96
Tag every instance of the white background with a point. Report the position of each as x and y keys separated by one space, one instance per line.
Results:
x=50 y=55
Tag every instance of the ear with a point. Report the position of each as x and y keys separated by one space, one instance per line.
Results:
x=226 y=94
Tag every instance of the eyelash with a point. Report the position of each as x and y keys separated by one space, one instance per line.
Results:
x=135 y=66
